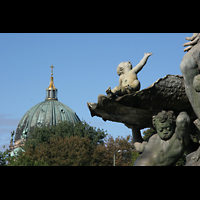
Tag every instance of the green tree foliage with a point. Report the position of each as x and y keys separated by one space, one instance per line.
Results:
x=148 y=133
x=64 y=144
x=122 y=146
x=66 y=129
x=58 y=151
x=73 y=145
x=76 y=145
x=3 y=158
x=76 y=151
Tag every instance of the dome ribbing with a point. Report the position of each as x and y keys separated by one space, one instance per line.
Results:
x=46 y=113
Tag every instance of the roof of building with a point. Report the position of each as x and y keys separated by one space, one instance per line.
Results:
x=47 y=113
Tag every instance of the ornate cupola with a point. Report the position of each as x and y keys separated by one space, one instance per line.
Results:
x=51 y=91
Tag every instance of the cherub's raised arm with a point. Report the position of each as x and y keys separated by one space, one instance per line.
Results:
x=141 y=64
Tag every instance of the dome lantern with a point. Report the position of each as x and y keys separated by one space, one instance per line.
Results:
x=51 y=91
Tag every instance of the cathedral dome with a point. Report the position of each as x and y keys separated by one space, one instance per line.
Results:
x=47 y=113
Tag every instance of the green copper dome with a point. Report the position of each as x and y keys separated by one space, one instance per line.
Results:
x=47 y=113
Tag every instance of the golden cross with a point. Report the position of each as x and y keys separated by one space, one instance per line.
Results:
x=52 y=69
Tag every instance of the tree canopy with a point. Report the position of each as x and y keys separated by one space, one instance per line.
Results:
x=69 y=144
x=79 y=144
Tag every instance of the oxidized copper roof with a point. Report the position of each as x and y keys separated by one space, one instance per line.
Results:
x=46 y=113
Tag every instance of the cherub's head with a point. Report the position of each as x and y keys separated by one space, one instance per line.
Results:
x=164 y=122
x=123 y=67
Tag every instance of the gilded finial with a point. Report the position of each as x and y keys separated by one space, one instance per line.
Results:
x=52 y=70
x=51 y=90
x=51 y=82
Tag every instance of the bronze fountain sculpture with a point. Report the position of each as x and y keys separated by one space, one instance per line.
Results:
x=171 y=106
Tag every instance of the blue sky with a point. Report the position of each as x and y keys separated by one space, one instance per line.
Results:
x=85 y=66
